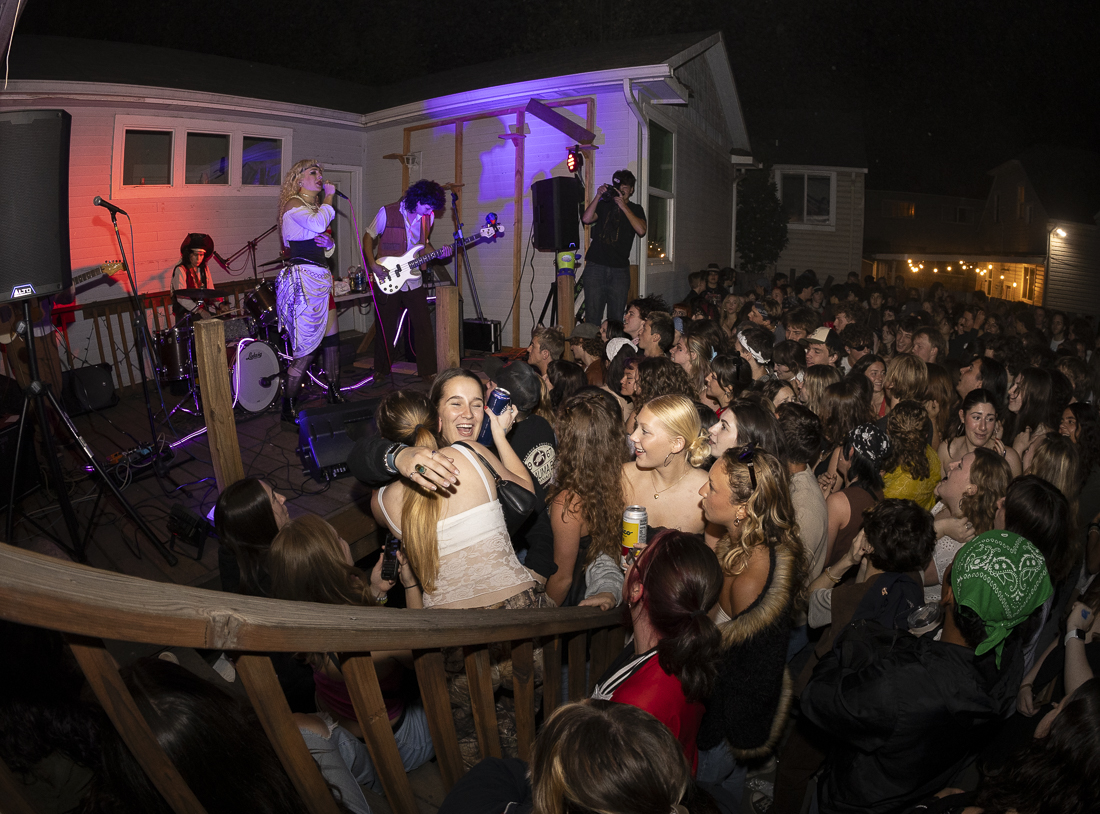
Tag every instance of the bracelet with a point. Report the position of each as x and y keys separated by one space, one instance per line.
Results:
x=827 y=573
x=1027 y=685
x=1073 y=634
x=391 y=457
x=410 y=587
x=383 y=599
x=1092 y=527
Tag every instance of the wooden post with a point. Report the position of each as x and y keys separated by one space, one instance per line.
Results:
x=517 y=221
x=217 y=402
x=446 y=326
x=566 y=304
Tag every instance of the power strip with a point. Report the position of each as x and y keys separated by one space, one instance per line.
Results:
x=132 y=456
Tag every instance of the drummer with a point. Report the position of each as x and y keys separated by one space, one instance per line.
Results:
x=191 y=272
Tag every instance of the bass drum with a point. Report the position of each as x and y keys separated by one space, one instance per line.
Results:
x=254 y=379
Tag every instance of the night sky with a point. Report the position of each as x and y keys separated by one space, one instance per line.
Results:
x=946 y=89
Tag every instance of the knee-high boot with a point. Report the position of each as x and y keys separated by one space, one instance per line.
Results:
x=330 y=349
x=293 y=383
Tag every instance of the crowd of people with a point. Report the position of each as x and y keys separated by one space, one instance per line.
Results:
x=869 y=578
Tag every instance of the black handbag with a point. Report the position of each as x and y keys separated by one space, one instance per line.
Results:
x=516 y=501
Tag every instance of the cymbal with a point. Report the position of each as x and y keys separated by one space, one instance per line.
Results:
x=278 y=261
x=199 y=294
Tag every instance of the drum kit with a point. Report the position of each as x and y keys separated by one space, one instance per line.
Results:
x=255 y=348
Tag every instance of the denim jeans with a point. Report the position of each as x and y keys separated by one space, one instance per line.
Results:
x=604 y=285
x=718 y=766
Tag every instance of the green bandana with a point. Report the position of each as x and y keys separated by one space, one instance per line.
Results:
x=1003 y=578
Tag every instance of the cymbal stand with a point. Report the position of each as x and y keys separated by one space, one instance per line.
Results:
x=39 y=393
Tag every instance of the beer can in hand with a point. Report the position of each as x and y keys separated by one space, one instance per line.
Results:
x=635 y=530
x=497 y=403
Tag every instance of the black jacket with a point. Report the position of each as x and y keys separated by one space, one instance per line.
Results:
x=905 y=714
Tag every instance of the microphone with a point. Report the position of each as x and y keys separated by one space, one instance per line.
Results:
x=218 y=257
x=341 y=194
x=110 y=207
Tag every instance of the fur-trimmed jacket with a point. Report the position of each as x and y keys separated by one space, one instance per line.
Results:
x=752 y=696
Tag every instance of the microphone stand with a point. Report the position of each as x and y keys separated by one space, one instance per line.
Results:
x=249 y=247
x=145 y=350
x=460 y=248
x=380 y=330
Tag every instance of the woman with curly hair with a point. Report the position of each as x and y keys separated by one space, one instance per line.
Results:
x=671 y=666
x=723 y=381
x=586 y=498
x=670 y=449
x=692 y=353
x=913 y=468
x=762 y=559
x=306 y=308
x=977 y=430
x=817 y=378
x=967 y=506
x=659 y=376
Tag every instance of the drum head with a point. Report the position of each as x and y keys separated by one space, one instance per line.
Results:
x=254 y=379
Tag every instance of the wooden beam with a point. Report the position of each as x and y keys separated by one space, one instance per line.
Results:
x=446 y=326
x=217 y=402
x=566 y=125
x=459 y=133
x=270 y=704
x=517 y=225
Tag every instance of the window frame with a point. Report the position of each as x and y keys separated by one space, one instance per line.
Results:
x=668 y=195
x=786 y=169
x=179 y=128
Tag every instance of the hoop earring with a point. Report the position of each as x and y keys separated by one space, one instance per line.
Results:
x=668 y=458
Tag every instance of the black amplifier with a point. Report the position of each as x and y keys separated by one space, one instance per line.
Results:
x=326 y=436
x=481 y=335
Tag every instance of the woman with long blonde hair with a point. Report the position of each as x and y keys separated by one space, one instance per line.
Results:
x=670 y=449
x=457 y=543
x=306 y=308
x=748 y=496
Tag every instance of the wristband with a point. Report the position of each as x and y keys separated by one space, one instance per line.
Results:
x=382 y=600
x=827 y=573
x=391 y=457
x=1092 y=527
x=410 y=587
x=1073 y=634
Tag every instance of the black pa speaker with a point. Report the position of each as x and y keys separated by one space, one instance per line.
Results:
x=88 y=388
x=34 y=240
x=326 y=436
x=556 y=203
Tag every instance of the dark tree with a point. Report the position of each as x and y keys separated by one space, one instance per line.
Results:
x=761 y=222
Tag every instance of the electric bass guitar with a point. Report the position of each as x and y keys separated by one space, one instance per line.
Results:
x=399 y=270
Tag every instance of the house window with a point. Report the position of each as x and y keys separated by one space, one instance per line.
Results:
x=904 y=210
x=958 y=214
x=262 y=160
x=660 y=202
x=148 y=158
x=808 y=198
x=194 y=157
x=207 y=158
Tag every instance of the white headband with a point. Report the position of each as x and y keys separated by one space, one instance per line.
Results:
x=741 y=338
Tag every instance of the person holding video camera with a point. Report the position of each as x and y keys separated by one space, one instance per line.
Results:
x=615 y=221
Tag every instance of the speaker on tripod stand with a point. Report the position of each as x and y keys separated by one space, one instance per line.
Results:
x=557 y=211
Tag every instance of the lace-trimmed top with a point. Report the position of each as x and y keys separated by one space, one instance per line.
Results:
x=477 y=564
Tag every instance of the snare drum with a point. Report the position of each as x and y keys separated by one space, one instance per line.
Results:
x=260 y=303
x=254 y=378
x=175 y=350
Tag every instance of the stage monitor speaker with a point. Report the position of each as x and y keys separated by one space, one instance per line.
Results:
x=556 y=203
x=88 y=388
x=481 y=335
x=34 y=240
x=326 y=436
x=27 y=477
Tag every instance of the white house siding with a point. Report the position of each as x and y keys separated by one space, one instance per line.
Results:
x=1073 y=282
x=835 y=251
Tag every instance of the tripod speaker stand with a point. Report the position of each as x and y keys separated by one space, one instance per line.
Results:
x=39 y=394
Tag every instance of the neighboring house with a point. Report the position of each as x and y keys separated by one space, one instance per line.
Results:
x=1034 y=238
x=820 y=165
x=190 y=143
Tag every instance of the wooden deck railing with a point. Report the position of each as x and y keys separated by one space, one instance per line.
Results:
x=89 y=605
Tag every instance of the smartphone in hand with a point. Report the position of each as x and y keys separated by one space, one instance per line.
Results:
x=389 y=559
